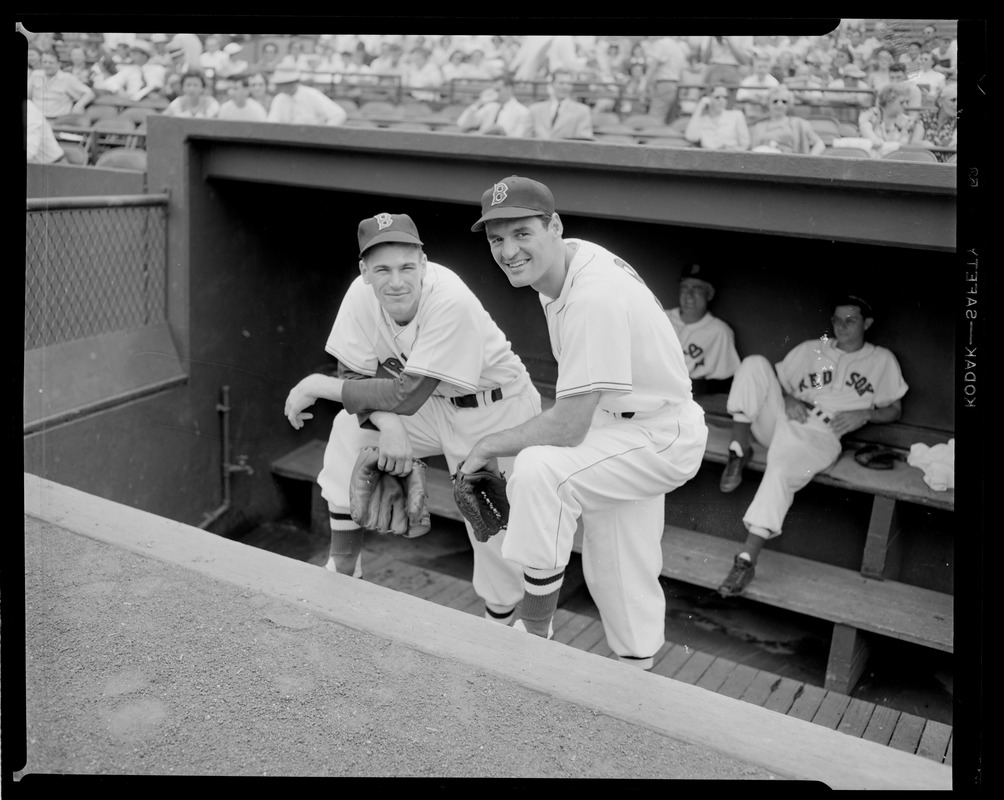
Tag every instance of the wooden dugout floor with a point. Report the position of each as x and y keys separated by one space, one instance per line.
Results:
x=900 y=730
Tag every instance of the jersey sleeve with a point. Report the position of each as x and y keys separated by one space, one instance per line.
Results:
x=890 y=386
x=449 y=345
x=595 y=347
x=351 y=340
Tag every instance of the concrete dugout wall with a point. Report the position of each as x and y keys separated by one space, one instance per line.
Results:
x=262 y=245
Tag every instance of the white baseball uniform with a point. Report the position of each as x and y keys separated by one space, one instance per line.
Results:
x=610 y=335
x=829 y=379
x=452 y=338
x=709 y=346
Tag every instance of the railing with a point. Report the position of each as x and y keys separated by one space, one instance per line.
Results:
x=93 y=265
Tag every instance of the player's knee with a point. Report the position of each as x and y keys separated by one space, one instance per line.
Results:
x=531 y=464
x=755 y=363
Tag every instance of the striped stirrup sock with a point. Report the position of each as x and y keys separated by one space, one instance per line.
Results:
x=501 y=616
x=345 y=555
x=540 y=598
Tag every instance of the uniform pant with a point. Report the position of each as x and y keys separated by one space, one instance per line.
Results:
x=615 y=481
x=796 y=451
x=439 y=428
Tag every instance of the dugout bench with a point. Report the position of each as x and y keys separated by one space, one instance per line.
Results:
x=859 y=604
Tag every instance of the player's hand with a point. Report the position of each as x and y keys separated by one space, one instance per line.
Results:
x=795 y=409
x=395 y=451
x=300 y=397
x=475 y=461
x=847 y=421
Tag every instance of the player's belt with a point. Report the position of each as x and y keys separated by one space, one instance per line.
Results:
x=477 y=399
x=818 y=412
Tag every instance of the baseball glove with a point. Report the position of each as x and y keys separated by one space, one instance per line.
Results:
x=386 y=503
x=482 y=500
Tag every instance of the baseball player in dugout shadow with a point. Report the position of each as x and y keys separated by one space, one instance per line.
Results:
x=823 y=389
x=422 y=370
x=708 y=342
x=624 y=429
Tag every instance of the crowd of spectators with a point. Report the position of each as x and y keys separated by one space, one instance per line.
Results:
x=717 y=88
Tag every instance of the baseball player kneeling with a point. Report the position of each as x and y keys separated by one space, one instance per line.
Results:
x=624 y=429
x=428 y=372
x=822 y=389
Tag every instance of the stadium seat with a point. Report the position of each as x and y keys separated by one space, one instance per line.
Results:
x=828 y=128
x=123 y=158
x=907 y=154
x=136 y=114
x=96 y=112
x=414 y=108
x=953 y=159
x=379 y=109
x=74 y=153
x=359 y=122
x=639 y=121
x=613 y=130
x=846 y=152
x=615 y=138
x=602 y=118
x=71 y=121
x=109 y=133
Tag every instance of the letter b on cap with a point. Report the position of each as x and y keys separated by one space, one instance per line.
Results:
x=383 y=221
x=499 y=193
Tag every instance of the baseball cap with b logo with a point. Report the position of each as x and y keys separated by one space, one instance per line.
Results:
x=387 y=228
x=514 y=197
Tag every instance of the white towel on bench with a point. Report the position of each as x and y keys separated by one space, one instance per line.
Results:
x=937 y=463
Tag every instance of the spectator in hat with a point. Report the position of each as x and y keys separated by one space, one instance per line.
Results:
x=159 y=42
x=845 y=74
x=708 y=342
x=297 y=104
x=193 y=100
x=57 y=93
x=240 y=105
x=139 y=79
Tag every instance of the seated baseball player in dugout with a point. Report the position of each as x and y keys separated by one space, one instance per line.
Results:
x=428 y=372
x=799 y=409
x=624 y=429
x=708 y=342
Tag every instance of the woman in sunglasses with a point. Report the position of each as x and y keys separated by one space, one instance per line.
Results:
x=782 y=133
x=716 y=127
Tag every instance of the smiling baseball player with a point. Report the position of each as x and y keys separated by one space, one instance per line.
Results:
x=623 y=431
x=452 y=377
x=822 y=389
x=708 y=342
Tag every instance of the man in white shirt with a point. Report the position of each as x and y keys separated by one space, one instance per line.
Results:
x=497 y=112
x=302 y=105
x=40 y=141
x=929 y=80
x=753 y=88
x=138 y=79
x=57 y=93
x=241 y=106
x=422 y=76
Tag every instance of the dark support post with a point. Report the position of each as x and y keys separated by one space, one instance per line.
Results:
x=848 y=657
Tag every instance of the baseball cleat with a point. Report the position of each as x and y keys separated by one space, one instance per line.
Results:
x=738 y=578
x=733 y=474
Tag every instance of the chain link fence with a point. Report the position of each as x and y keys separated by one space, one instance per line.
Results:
x=94 y=266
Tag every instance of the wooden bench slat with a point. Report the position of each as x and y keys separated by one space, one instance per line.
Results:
x=902 y=482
